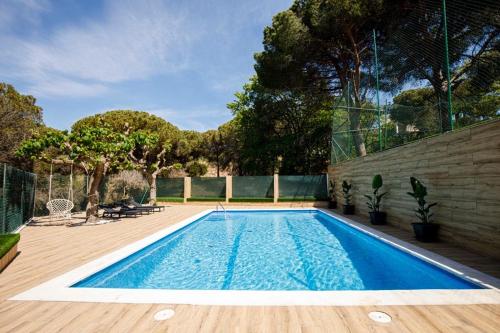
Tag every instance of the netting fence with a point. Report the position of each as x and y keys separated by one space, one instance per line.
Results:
x=208 y=187
x=435 y=71
x=253 y=187
x=17 y=195
x=169 y=188
x=303 y=188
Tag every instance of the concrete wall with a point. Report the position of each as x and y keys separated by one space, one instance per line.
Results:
x=462 y=173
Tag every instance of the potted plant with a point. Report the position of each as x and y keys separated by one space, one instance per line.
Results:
x=376 y=216
x=348 y=209
x=332 y=203
x=425 y=231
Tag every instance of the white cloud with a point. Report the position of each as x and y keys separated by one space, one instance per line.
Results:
x=200 y=119
x=27 y=11
x=134 y=40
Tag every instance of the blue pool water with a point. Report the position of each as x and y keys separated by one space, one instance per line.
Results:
x=272 y=250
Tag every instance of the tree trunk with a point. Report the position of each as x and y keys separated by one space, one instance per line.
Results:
x=151 y=178
x=218 y=167
x=93 y=203
x=357 y=135
x=440 y=86
x=152 y=190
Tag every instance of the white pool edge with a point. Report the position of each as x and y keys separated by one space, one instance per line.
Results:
x=58 y=289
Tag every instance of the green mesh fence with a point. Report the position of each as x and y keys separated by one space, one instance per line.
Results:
x=253 y=187
x=436 y=70
x=303 y=188
x=208 y=187
x=16 y=198
x=170 y=187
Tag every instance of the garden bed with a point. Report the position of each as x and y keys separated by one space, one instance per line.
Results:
x=299 y=199
x=8 y=249
x=194 y=199
x=169 y=199
x=251 y=200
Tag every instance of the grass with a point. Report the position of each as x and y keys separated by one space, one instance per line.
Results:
x=169 y=199
x=251 y=200
x=206 y=199
x=7 y=242
x=298 y=199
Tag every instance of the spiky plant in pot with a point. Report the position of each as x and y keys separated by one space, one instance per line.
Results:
x=347 y=208
x=376 y=216
x=425 y=230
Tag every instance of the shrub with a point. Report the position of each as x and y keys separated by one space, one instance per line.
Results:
x=196 y=168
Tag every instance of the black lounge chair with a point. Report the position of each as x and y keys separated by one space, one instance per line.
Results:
x=137 y=205
x=114 y=212
x=126 y=206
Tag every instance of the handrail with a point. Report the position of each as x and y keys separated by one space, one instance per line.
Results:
x=224 y=209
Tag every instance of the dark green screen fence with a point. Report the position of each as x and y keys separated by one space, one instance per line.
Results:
x=17 y=194
x=253 y=187
x=170 y=187
x=303 y=187
x=208 y=187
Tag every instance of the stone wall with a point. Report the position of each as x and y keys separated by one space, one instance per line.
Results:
x=462 y=173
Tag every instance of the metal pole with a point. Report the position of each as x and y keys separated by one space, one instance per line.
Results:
x=385 y=121
x=4 y=208
x=349 y=115
x=378 y=97
x=447 y=63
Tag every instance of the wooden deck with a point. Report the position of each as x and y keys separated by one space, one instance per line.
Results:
x=47 y=252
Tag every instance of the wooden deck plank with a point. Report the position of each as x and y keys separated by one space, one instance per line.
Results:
x=47 y=252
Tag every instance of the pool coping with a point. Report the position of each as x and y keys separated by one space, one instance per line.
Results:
x=58 y=289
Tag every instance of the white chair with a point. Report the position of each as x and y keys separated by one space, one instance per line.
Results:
x=60 y=208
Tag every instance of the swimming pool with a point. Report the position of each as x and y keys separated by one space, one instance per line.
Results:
x=289 y=250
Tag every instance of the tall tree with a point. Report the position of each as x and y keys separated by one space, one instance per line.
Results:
x=325 y=44
x=97 y=150
x=20 y=117
x=415 y=50
x=281 y=131
x=214 y=147
x=156 y=141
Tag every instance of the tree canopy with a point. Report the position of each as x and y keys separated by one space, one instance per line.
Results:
x=20 y=117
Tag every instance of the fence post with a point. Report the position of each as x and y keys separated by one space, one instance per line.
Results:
x=447 y=63
x=229 y=188
x=187 y=188
x=378 y=97
x=4 y=186
x=276 y=193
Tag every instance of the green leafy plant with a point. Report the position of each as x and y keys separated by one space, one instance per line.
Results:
x=374 y=201
x=346 y=191
x=331 y=190
x=419 y=193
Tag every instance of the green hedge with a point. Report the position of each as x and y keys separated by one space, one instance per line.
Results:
x=251 y=200
x=297 y=199
x=206 y=199
x=169 y=199
x=7 y=242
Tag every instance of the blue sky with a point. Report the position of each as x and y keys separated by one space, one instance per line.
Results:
x=181 y=60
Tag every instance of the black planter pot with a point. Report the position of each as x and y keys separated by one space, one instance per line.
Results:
x=426 y=232
x=332 y=204
x=378 y=218
x=348 y=209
